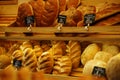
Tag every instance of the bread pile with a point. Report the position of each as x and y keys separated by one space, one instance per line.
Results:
x=46 y=12
x=71 y=58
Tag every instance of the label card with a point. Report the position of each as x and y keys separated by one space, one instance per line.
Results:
x=89 y=19
x=62 y=19
x=99 y=71
x=17 y=63
x=29 y=20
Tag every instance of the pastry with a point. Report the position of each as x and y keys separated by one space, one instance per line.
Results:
x=62 y=66
x=45 y=62
x=73 y=3
x=74 y=51
x=29 y=59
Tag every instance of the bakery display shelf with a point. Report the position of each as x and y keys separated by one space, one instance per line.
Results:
x=66 y=33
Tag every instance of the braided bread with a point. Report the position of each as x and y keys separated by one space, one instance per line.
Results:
x=29 y=59
x=45 y=62
x=62 y=66
x=74 y=51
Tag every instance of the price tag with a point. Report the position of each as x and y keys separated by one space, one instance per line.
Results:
x=62 y=19
x=99 y=71
x=29 y=20
x=89 y=19
x=17 y=63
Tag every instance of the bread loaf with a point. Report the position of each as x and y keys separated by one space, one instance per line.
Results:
x=89 y=52
x=45 y=62
x=45 y=11
x=62 y=66
x=89 y=66
x=73 y=16
x=110 y=48
x=103 y=56
x=113 y=68
x=29 y=59
x=24 y=10
x=74 y=51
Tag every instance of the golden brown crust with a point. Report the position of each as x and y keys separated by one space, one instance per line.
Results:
x=74 y=51
x=45 y=62
x=62 y=5
x=62 y=66
x=73 y=3
x=24 y=10
x=45 y=12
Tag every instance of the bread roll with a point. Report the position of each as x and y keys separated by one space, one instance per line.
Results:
x=74 y=51
x=58 y=48
x=62 y=66
x=24 y=74
x=45 y=62
x=103 y=56
x=89 y=66
x=89 y=53
x=4 y=61
x=29 y=59
x=112 y=49
x=113 y=68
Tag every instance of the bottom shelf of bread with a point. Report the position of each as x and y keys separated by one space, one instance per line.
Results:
x=59 y=60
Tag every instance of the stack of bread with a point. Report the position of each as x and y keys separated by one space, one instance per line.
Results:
x=60 y=57
x=46 y=12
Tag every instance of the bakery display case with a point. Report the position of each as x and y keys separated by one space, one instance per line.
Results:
x=61 y=40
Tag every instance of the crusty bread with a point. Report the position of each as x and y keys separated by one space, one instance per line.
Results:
x=24 y=10
x=73 y=16
x=74 y=51
x=29 y=59
x=73 y=3
x=45 y=11
x=62 y=66
x=45 y=62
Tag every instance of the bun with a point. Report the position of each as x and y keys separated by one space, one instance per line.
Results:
x=62 y=66
x=45 y=62
x=29 y=59
x=17 y=54
x=25 y=44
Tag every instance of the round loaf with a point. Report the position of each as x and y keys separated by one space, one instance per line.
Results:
x=89 y=53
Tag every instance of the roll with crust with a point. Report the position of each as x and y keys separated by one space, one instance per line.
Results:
x=62 y=66
x=45 y=62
